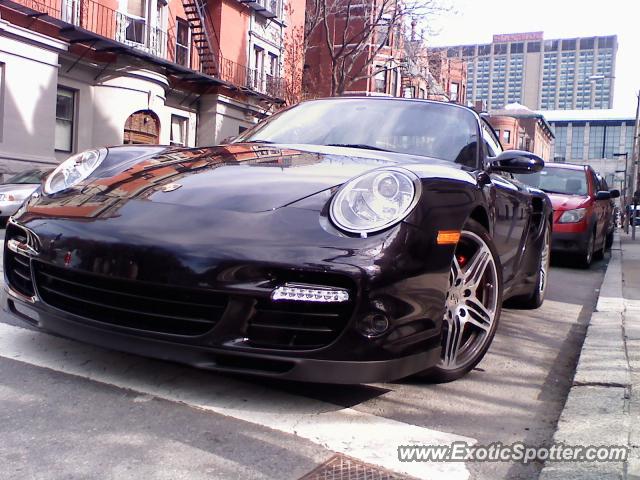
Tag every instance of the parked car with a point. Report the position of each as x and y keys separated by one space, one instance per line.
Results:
x=342 y=240
x=583 y=211
x=16 y=189
x=612 y=223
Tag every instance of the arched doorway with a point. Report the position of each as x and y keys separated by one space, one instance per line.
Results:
x=142 y=127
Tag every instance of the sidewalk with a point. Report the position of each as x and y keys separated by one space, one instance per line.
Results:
x=603 y=406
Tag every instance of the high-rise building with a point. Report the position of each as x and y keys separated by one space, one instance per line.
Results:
x=569 y=73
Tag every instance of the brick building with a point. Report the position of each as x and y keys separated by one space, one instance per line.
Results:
x=522 y=129
x=431 y=73
x=375 y=67
x=78 y=74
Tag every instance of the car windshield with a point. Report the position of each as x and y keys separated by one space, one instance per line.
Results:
x=435 y=130
x=27 y=177
x=557 y=180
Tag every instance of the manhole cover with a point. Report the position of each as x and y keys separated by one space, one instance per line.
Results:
x=340 y=467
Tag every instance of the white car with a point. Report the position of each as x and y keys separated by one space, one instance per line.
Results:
x=17 y=189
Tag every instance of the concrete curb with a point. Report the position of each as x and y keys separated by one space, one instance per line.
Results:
x=597 y=408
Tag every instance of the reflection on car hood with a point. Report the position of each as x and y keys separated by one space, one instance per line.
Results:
x=18 y=187
x=237 y=177
x=563 y=202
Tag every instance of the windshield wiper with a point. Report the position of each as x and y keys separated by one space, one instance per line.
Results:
x=258 y=141
x=357 y=145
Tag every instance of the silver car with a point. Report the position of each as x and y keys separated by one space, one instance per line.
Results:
x=17 y=189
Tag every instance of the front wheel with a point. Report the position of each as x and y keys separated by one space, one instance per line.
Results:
x=472 y=306
x=586 y=256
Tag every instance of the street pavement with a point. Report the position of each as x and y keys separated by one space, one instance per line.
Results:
x=75 y=411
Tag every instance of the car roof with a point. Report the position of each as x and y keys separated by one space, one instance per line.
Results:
x=376 y=98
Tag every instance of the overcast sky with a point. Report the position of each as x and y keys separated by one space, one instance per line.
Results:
x=475 y=21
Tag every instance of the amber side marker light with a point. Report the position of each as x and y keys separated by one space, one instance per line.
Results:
x=448 y=237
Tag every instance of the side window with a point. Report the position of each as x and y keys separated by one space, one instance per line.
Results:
x=492 y=146
x=595 y=181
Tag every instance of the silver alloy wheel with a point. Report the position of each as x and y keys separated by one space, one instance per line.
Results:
x=471 y=303
x=545 y=258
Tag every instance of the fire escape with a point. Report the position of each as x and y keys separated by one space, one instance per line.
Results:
x=203 y=33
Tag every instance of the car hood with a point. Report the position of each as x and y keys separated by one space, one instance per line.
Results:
x=561 y=202
x=18 y=187
x=236 y=177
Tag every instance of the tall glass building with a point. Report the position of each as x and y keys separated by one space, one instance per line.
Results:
x=570 y=73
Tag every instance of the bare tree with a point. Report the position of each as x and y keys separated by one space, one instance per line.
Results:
x=294 y=45
x=353 y=33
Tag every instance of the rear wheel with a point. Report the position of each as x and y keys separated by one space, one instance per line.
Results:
x=609 y=241
x=473 y=305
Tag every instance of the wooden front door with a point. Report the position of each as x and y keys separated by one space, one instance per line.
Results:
x=142 y=127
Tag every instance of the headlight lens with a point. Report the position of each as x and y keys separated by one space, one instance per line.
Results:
x=73 y=170
x=375 y=200
x=573 y=216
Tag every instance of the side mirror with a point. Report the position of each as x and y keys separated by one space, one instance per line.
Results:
x=603 y=195
x=615 y=193
x=516 y=161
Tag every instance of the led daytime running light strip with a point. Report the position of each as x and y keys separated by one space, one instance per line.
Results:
x=309 y=293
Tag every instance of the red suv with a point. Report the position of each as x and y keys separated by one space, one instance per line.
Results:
x=582 y=209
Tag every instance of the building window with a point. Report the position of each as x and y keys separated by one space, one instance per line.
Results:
x=596 y=141
x=178 y=130
x=506 y=136
x=577 y=142
x=408 y=92
x=381 y=81
x=182 y=42
x=65 y=108
x=560 y=142
x=273 y=65
x=533 y=47
x=454 y=92
x=136 y=21
x=612 y=140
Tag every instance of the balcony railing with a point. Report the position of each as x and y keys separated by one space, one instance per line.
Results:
x=264 y=83
x=137 y=33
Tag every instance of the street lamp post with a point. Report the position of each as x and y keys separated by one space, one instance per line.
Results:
x=624 y=188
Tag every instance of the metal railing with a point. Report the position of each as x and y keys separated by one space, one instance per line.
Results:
x=270 y=85
x=137 y=33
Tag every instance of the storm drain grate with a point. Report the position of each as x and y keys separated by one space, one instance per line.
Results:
x=340 y=467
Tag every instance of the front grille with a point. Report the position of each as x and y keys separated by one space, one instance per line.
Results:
x=125 y=303
x=17 y=265
x=297 y=325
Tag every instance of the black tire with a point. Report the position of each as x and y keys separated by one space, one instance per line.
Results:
x=609 y=241
x=536 y=298
x=599 y=254
x=491 y=294
x=585 y=258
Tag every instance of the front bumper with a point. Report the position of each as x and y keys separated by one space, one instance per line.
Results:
x=223 y=360
x=569 y=242
x=409 y=291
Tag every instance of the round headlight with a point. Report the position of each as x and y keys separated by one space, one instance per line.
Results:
x=73 y=170
x=375 y=200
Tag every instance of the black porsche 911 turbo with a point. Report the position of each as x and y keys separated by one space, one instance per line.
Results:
x=342 y=240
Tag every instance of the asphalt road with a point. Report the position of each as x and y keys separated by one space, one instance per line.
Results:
x=56 y=425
